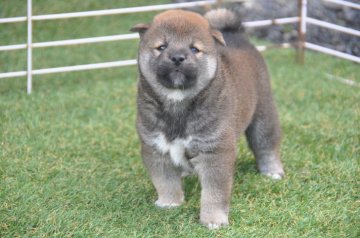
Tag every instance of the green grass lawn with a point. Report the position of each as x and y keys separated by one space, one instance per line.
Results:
x=69 y=154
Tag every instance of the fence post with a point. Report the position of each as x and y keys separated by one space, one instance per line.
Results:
x=29 y=46
x=302 y=6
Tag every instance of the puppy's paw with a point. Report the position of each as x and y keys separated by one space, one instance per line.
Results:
x=215 y=222
x=166 y=205
x=163 y=203
x=269 y=164
x=214 y=226
x=275 y=176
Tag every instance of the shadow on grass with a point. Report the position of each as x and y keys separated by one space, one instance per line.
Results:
x=245 y=166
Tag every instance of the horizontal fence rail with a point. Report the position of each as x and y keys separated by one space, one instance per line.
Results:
x=331 y=52
x=110 y=11
x=261 y=23
x=72 y=42
x=71 y=68
x=302 y=20
x=344 y=3
x=278 y=21
x=13 y=19
x=105 y=65
x=331 y=26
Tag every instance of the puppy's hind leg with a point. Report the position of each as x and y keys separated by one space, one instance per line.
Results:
x=264 y=136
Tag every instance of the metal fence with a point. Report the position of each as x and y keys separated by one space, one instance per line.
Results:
x=301 y=19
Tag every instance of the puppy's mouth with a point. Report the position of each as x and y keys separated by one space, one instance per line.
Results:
x=177 y=78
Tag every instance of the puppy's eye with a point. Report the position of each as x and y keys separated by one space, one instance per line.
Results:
x=161 y=47
x=194 y=49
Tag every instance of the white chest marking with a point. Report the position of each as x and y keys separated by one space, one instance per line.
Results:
x=176 y=95
x=176 y=149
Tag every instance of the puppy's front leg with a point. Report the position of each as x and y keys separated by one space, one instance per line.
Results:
x=216 y=176
x=165 y=177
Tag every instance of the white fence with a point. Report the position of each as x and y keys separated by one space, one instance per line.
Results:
x=304 y=20
x=301 y=19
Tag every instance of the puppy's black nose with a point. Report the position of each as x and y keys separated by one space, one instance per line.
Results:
x=177 y=58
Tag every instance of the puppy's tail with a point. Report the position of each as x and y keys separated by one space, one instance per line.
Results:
x=228 y=22
x=224 y=20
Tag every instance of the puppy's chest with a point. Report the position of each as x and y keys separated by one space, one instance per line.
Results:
x=181 y=132
x=177 y=148
x=173 y=125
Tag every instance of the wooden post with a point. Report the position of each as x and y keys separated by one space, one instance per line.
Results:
x=302 y=8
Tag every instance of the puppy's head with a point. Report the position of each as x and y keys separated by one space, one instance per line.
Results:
x=178 y=54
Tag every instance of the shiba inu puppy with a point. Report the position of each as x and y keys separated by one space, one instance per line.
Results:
x=201 y=86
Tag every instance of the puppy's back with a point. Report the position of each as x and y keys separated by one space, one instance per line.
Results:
x=245 y=64
x=240 y=52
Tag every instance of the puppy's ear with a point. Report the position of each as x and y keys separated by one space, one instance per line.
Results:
x=140 y=28
x=218 y=37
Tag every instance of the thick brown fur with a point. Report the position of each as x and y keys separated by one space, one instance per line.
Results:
x=201 y=86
